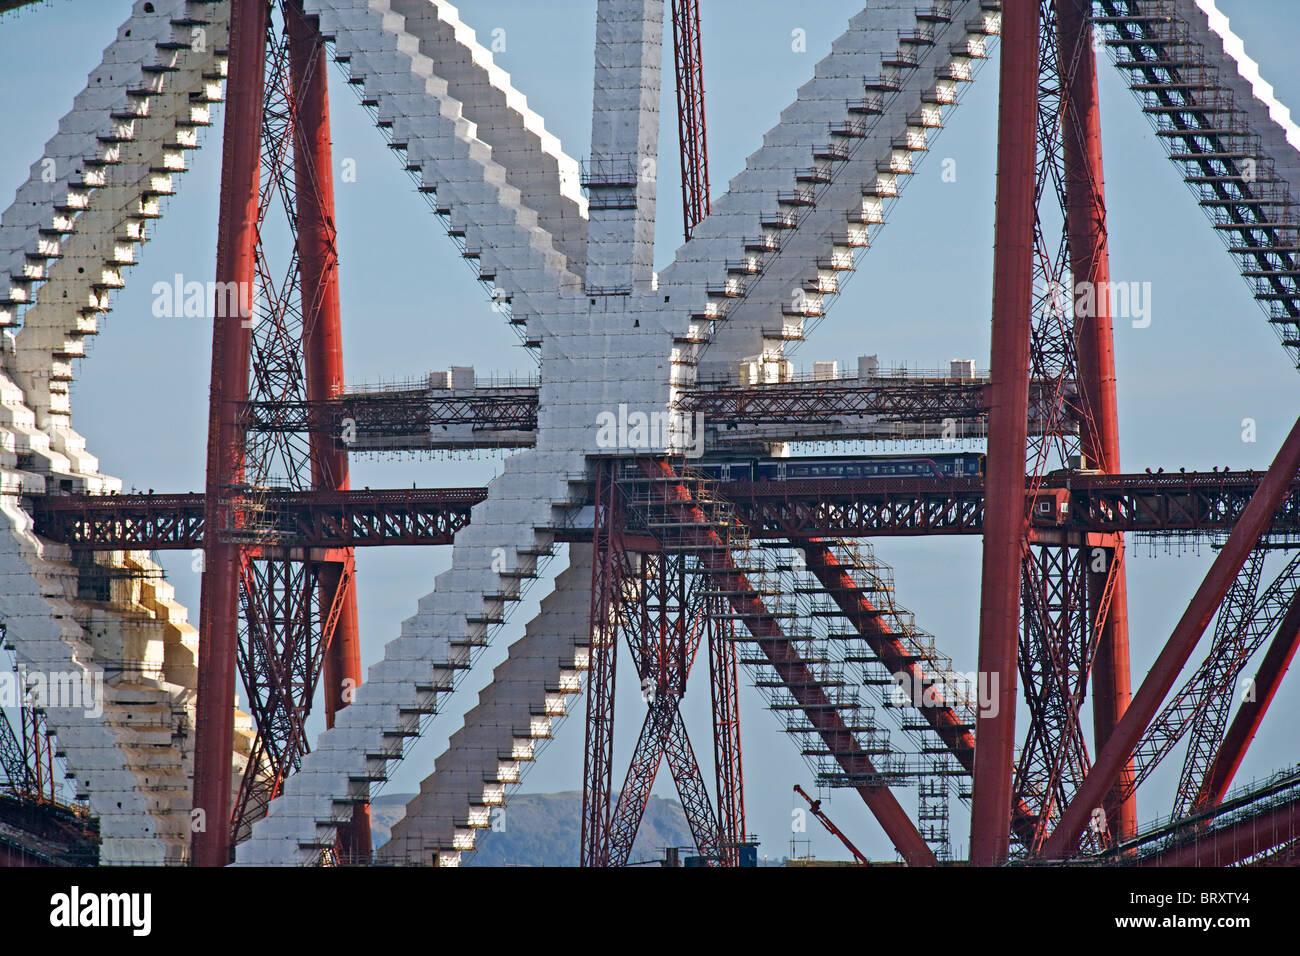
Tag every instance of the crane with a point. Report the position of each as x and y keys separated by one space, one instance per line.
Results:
x=816 y=807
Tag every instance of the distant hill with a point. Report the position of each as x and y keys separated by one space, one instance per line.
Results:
x=544 y=829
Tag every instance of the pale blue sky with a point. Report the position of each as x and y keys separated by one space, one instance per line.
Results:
x=921 y=296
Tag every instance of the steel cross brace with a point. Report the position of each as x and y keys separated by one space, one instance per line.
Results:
x=663 y=733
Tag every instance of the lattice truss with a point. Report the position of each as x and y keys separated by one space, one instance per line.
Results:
x=565 y=250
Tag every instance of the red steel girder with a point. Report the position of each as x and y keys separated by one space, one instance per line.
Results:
x=642 y=769
x=1060 y=636
x=1201 y=707
x=231 y=340
x=1006 y=524
x=1116 y=754
x=916 y=683
x=663 y=736
x=322 y=346
x=507 y=415
x=279 y=659
x=691 y=791
x=1244 y=823
x=692 y=134
x=1284 y=854
x=1252 y=836
x=727 y=761
x=1068 y=582
x=610 y=574
x=662 y=649
x=1095 y=505
x=400 y=413
x=894 y=399
x=278 y=626
x=1095 y=354
x=1210 y=691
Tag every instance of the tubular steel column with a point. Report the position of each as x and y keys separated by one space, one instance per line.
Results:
x=1005 y=521
x=236 y=258
x=323 y=354
x=1090 y=263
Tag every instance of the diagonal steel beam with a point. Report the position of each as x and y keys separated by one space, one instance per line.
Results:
x=1252 y=524
x=786 y=660
x=691 y=791
x=641 y=773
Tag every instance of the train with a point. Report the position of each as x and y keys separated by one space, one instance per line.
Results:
x=956 y=465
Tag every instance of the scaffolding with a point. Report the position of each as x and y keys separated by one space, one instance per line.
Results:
x=840 y=663
x=857 y=684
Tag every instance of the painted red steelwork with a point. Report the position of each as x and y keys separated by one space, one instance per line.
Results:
x=609 y=572
x=1099 y=439
x=665 y=624
x=1281 y=650
x=691 y=131
x=1117 y=752
x=727 y=761
x=1250 y=837
x=236 y=262
x=1005 y=521
x=786 y=660
x=322 y=345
